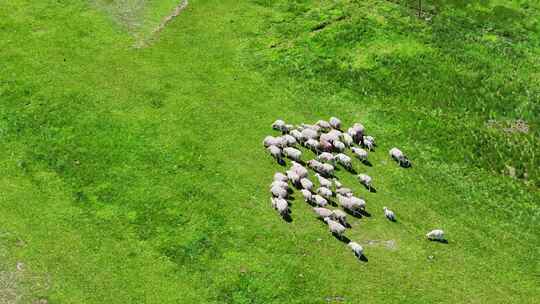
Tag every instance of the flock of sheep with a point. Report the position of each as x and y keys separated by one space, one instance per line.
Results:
x=327 y=140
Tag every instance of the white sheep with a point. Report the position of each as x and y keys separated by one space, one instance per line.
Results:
x=327 y=169
x=319 y=200
x=293 y=153
x=339 y=216
x=344 y=160
x=324 y=124
x=326 y=157
x=344 y=191
x=357 y=249
x=325 y=146
x=312 y=144
x=335 y=227
x=293 y=177
x=322 y=213
x=352 y=203
x=278 y=176
x=278 y=125
x=365 y=180
x=289 y=140
x=335 y=122
x=287 y=128
x=276 y=153
x=323 y=181
x=401 y=158
x=334 y=134
x=306 y=184
x=371 y=139
x=360 y=153
x=389 y=214
x=299 y=169
x=279 y=192
x=309 y=134
x=308 y=196
x=324 y=192
x=297 y=135
x=356 y=132
x=347 y=139
x=435 y=235
x=339 y=146
x=271 y=141
x=315 y=128
x=279 y=183
x=281 y=206
x=368 y=144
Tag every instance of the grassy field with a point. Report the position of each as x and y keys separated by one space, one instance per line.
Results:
x=137 y=175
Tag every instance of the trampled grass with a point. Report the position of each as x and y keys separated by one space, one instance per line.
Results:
x=138 y=176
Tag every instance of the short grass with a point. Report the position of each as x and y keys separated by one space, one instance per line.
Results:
x=138 y=176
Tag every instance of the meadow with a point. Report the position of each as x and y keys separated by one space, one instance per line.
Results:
x=137 y=174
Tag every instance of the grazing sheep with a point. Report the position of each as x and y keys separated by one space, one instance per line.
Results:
x=293 y=177
x=306 y=184
x=319 y=200
x=335 y=134
x=339 y=216
x=335 y=227
x=297 y=135
x=339 y=146
x=278 y=191
x=293 y=153
x=308 y=196
x=344 y=160
x=371 y=139
x=299 y=169
x=389 y=214
x=323 y=181
x=312 y=144
x=347 y=139
x=352 y=203
x=326 y=157
x=281 y=206
x=344 y=191
x=289 y=140
x=278 y=125
x=287 y=128
x=335 y=123
x=357 y=249
x=368 y=144
x=271 y=141
x=276 y=153
x=315 y=128
x=360 y=153
x=325 y=146
x=365 y=180
x=280 y=184
x=309 y=134
x=356 y=132
x=435 y=235
x=343 y=200
x=322 y=213
x=325 y=192
x=324 y=124
x=401 y=158
x=278 y=176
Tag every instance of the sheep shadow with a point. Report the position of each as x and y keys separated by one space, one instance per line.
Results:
x=287 y=217
x=445 y=241
x=351 y=170
x=341 y=238
x=367 y=163
x=405 y=165
x=281 y=162
x=365 y=213
x=353 y=213
x=361 y=257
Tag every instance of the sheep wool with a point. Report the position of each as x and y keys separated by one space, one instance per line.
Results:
x=335 y=227
x=312 y=144
x=278 y=191
x=306 y=184
x=308 y=196
x=293 y=153
x=356 y=248
x=280 y=184
x=335 y=122
x=289 y=140
x=360 y=153
x=323 y=124
x=324 y=192
x=389 y=214
x=275 y=152
x=347 y=139
x=365 y=180
x=322 y=212
x=339 y=216
x=281 y=206
x=293 y=177
x=319 y=200
x=323 y=181
x=278 y=125
x=278 y=176
x=435 y=235
x=344 y=160
x=299 y=169
x=339 y=146
x=326 y=157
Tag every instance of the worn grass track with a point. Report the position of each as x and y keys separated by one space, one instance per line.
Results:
x=137 y=175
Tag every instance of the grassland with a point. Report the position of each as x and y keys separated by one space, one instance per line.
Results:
x=137 y=175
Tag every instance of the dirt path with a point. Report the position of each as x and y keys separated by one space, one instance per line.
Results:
x=155 y=32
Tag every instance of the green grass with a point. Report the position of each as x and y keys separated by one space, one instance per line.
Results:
x=137 y=175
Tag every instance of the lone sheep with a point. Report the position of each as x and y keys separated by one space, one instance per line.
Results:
x=401 y=158
x=436 y=235
x=365 y=180
x=357 y=249
x=389 y=214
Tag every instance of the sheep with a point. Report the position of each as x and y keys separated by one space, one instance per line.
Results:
x=281 y=206
x=336 y=228
x=371 y=139
x=315 y=128
x=365 y=180
x=339 y=146
x=347 y=139
x=309 y=134
x=352 y=203
x=324 y=169
x=297 y=135
x=344 y=160
x=435 y=235
x=401 y=158
x=343 y=200
x=324 y=192
x=289 y=140
x=308 y=196
x=278 y=191
x=357 y=249
x=278 y=176
x=276 y=153
x=306 y=184
x=278 y=125
x=325 y=146
x=287 y=128
x=322 y=213
x=389 y=214
x=323 y=181
x=339 y=216
x=324 y=124
x=312 y=144
x=368 y=144
x=293 y=153
x=319 y=200
x=326 y=157
x=271 y=141
x=299 y=169
x=280 y=184
x=344 y=191
x=334 y=134
x=360 y=153
x=335 y=123
x=356 y=132
x=293 y=177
